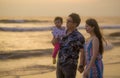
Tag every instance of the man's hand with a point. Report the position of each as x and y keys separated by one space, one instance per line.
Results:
x=80 y=68
x=54 y=40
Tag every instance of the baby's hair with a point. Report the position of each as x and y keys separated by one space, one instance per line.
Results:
x=58 y=18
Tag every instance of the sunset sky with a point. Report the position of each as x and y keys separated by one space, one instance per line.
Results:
x=59 y=7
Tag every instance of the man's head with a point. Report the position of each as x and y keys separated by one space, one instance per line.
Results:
x=73 y=20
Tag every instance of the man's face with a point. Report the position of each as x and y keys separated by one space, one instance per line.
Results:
x=69 y=23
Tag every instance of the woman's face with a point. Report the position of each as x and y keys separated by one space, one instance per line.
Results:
x=89 y=29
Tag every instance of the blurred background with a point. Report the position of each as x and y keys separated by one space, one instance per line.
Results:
x=25 y=34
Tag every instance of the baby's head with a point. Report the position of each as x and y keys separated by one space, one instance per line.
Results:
x=58 y=21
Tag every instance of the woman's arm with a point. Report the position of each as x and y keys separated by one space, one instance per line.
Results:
x=95 y=44
x=95 y=48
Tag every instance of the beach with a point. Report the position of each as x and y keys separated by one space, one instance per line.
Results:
x=34 y=60
x=28 y=54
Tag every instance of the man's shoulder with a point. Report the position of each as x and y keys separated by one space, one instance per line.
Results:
x=81 y=37
x=79 y=34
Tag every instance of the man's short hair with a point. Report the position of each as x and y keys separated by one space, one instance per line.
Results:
x=76 y=18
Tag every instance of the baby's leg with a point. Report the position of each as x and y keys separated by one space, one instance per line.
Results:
x=56 y=49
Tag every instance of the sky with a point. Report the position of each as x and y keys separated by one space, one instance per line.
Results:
x=59 y=7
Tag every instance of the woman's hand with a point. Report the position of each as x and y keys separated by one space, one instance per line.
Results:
x=86 y=73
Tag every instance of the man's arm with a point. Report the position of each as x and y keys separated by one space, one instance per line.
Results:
x=54 y=40
x=82 y=61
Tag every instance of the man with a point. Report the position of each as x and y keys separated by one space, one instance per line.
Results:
x=70 y=47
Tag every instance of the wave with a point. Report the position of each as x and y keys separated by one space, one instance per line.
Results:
x=24 y=21
x=15 y=29
x=23 y=29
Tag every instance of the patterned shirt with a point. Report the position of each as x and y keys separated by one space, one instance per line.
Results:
x=70 y=47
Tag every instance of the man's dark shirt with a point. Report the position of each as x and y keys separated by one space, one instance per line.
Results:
x=70 y=47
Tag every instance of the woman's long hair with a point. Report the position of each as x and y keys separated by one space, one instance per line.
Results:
x=93 y=23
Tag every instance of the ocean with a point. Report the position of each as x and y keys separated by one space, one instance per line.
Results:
x=27 y=31
x=45 y=23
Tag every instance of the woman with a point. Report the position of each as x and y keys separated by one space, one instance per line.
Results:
x=93 y=51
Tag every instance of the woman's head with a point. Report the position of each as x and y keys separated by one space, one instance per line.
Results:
x=58 y=21
x=93 y=27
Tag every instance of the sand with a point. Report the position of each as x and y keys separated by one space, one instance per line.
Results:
x=28 y=55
